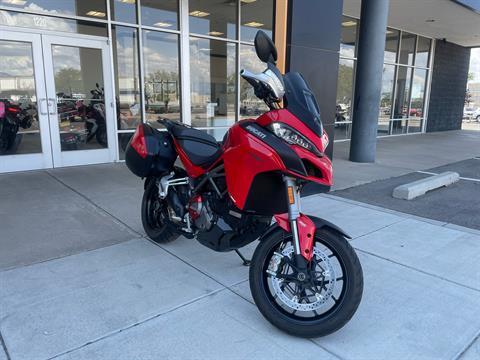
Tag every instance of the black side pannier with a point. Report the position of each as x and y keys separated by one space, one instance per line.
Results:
x=150 y=152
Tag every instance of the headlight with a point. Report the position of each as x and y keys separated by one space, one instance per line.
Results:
x=292 y=137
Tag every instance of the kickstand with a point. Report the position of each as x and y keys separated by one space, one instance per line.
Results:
x=245 y=261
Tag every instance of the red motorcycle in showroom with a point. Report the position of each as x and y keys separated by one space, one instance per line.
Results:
x=304 y=276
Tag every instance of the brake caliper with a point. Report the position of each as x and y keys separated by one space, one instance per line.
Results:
x=274 y=264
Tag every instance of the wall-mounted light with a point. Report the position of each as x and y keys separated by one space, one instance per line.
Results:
x=162 y=24
x=96 y=13
x=199 y=13
x=253 y=24
x=215 y=33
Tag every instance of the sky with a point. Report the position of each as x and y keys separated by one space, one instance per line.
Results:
x=475 y=64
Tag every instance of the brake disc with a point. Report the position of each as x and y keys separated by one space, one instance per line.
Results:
x=293 y=302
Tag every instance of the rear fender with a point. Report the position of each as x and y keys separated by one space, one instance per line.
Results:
x=307 y=226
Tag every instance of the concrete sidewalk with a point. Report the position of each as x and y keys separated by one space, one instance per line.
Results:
x=118 y=296
x=79 y=280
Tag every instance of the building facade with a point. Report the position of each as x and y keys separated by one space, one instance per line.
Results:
x=87 y=72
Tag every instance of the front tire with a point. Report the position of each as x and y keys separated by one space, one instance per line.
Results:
x=155 y=220
x=291 y=308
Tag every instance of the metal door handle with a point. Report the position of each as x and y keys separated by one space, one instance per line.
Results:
x=40 y=102
x=54 y=106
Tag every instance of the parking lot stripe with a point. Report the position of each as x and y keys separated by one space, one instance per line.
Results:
x=461 y=178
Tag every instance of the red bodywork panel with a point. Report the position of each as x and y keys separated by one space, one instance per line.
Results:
x=244 y=157
x=306 y=232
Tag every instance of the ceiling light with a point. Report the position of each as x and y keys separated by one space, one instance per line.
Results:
x=96 y=13
x=205 y=49
x=248 y=1
x=349 y=23
x=162 y=24
x=199 y=13
x=253 y=24
x=389 y=32
x=215 y=33
x=127 y=1
x=15 y=2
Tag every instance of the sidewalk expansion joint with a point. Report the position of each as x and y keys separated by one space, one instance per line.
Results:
x=418 y=270
x=153 y=317
x=4 y=347
x=467 y=347
x=90 y=201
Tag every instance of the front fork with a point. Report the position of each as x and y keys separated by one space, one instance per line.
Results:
x=293 y=197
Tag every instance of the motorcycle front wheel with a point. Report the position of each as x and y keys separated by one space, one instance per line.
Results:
x=312 y=304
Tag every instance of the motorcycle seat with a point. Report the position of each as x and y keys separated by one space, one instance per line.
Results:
x=201 y=148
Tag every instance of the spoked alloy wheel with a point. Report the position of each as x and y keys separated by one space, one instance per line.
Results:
x=312 y=303
x=155 y=219
x=301 y=294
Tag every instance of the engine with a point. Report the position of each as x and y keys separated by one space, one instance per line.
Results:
x=200 y=213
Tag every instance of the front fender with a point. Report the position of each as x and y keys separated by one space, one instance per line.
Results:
x=307 y=226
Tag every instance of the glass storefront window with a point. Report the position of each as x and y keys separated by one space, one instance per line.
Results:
x=402 y=95
x=214 y=18
x=386 y=96
x=348 y=37
x=213 y=82
x=90 y=8
x=162 y=14
x=418 y=100
x=423 y=52
x=343 y=109
x=20 y=129
x=124 y=10
x=161 y=76
x=12 y=18
x=123 y=139
x=407 y=48
x=250 y=105
x=344 y=90
x=391 y=45
x=399 y=127
x=256 y=15
x=127 y=79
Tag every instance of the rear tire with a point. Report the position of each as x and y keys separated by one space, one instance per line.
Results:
x=314 y=325
x=155 y=216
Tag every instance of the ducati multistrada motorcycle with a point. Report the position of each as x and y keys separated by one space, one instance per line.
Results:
x=304 y=276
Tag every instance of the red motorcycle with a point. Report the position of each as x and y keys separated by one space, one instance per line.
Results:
x=304 y=276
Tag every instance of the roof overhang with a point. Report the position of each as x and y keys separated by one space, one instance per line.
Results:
x=457 y=21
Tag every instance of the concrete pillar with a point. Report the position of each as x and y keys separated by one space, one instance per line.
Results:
x=368 y=80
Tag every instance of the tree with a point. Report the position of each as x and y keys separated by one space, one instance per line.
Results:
x=468 y=97
x=68 y=81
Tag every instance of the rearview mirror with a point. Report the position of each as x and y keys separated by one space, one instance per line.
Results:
x=265 y=48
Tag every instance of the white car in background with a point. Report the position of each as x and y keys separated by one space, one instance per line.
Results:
x=471 y=113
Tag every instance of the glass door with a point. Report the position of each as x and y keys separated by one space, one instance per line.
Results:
x=80 y=101
x=24 y=125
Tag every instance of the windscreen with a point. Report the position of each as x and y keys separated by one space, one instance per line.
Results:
x=301 y=102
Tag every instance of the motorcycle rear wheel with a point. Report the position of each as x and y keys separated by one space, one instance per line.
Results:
x=155 y=219
x=336 y=284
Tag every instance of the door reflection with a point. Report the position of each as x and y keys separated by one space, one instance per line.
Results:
x=19 y=128
x=80 y=97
